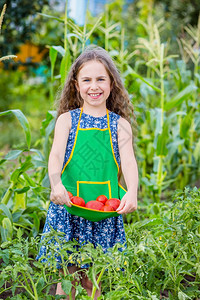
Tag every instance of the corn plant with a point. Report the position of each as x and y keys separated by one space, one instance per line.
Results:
x=190 y=50
x=24 y=203
x=158 y=52
x=163 y=109
x=109 y=28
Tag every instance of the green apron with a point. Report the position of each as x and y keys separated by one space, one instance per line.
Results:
x=92 y=170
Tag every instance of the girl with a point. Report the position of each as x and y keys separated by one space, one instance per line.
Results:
x=93 y=101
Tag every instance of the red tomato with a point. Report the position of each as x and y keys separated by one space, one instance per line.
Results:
x=113 y=202
x=69 y=194
x=78 y=201
x=107 y=208
x=94 y=205
x=102 y=199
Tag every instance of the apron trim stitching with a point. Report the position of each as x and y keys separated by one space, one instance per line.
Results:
x=95 y=128
x=95 y=182
x=74 y=142
x=111 y=142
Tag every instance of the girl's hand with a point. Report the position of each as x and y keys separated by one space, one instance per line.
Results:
x=128 y=203
x=59 y=195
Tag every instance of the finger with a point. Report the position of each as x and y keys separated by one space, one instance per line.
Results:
x=122 y=204
x=53 y=199
x=127 y=209
x=66 y=199
x=124 y=209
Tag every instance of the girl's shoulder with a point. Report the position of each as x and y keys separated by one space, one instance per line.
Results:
x=64 y=120
x=124 y=127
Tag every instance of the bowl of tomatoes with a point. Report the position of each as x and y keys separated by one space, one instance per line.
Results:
x=94 y=210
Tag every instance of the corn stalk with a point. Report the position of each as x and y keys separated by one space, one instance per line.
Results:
x=1 y=21
x=189 y=47
x=156 y=57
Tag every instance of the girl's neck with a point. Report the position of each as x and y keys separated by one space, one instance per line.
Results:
x=94 y=111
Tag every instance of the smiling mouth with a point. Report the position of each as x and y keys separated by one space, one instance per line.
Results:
x=95 y=95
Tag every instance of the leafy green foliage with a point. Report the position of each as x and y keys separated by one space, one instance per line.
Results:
x=162 y=257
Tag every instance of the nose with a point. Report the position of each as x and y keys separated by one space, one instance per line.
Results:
x=94 y=85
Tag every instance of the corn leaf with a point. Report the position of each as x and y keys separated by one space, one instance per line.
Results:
x=180 y=97
x=132 y=72
x=65 y=66
x=23 y=121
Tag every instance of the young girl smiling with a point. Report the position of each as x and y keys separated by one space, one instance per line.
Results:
x=93 y=101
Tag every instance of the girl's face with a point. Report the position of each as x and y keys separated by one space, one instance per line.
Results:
x=93 y=83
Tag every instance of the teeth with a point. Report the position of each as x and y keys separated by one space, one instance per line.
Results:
x=94 y=95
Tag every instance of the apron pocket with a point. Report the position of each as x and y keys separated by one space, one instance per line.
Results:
x=90 y=190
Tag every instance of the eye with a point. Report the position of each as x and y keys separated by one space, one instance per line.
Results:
x=101 y=79
x=86 y=80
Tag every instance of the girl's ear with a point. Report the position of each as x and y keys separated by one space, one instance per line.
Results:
x=77 y=86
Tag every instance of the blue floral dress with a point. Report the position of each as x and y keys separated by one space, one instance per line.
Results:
x=105 y=233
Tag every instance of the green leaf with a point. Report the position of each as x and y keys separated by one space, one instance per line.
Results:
x=161 y=149
x=197 y=151
x=23 y=121
x=69 y=35
x=53 y=55
x=180 y=97
x=59 y=49
x=158 y=116
x=19 y=200
x=134 y=74
x=49 y=116
x=22 y=190
x=52 y=17
x=38 y=152
x=6 y=211
x=185 y=125
x=65 y=66
x=8 y=227
x=182 y=296
x=94 y=281
x=150 y=223
x=98 y=22
x=40 y=284
x=13 y=154
x=66 y=286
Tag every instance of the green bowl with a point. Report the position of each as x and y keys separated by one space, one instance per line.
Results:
x=90 y=214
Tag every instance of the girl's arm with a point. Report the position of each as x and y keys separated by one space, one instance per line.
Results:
x=59 y=194
x=129 y=167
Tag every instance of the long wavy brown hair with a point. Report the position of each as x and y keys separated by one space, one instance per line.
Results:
x=118 y=100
